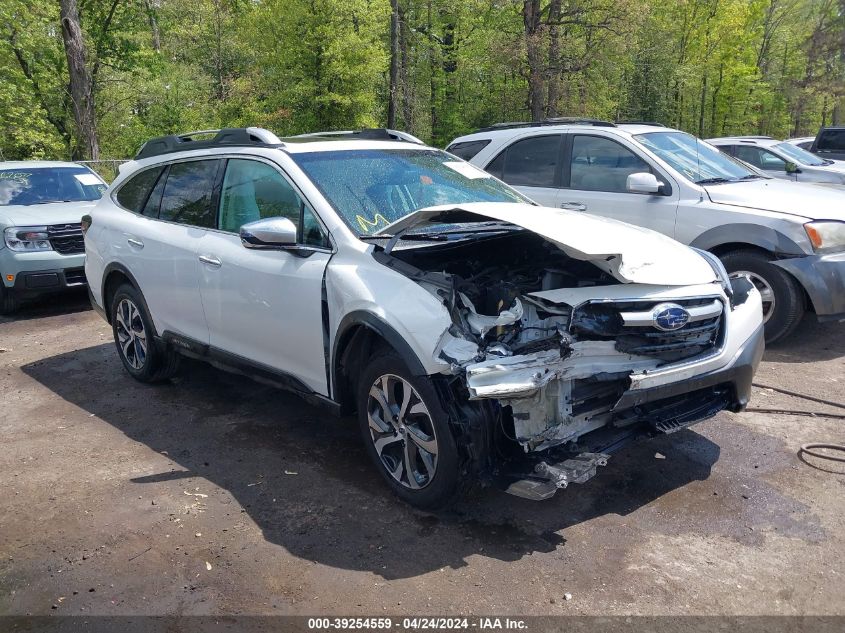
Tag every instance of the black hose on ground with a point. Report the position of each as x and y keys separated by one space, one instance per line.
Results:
x=794 y=394
x=807 y=449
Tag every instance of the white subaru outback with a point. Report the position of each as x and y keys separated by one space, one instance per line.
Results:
x=478 y=337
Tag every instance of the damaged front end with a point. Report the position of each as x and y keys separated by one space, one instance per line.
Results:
x=573 y=361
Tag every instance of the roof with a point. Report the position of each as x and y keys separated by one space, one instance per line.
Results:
x=36 y=164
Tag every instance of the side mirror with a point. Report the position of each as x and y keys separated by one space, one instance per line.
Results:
x=642 y=182
x=269 y=234
x=792 y=168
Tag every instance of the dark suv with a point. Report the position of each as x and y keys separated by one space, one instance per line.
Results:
x=830 y=143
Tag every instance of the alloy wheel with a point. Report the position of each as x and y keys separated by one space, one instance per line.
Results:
x=402 y=431
x=131 y=335
x=767 y=293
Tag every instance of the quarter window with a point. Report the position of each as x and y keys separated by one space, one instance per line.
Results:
x=599 y=164
x=188 y=192
x=468 y=149
x=133 y=194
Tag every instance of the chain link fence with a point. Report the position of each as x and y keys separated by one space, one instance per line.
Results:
x=107 y=169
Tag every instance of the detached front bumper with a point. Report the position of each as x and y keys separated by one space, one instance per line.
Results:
x=823 y=277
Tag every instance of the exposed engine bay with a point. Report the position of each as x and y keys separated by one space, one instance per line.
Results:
x=553 y=339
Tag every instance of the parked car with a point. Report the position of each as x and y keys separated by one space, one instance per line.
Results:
x=788 y=238
x=477 y=336
x=41 y=205
x=830 y=143
x=780 y=159
x=804 y=142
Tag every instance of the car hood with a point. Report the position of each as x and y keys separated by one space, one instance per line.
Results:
x=41 y=214
x=629 y=253
x=808 y=200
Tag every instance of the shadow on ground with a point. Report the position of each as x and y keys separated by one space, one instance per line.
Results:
x=50 y=305
x=303 y=477
x=811 y=342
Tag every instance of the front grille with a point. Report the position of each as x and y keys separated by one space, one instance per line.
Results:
x=630 y=325
x=66 y=239
x=695 y=338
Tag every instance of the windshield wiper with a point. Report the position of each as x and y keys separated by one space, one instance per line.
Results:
x=422 y=237
x=49 y=201
x=751 y=177
x=712 y=181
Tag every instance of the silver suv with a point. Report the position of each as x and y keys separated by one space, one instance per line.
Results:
x=788 y=238
x=41 y=247
x=476 y=336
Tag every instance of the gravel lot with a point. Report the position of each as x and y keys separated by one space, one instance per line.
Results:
x=216 y=495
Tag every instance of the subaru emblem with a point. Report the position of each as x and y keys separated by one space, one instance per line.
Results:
x=669 y=316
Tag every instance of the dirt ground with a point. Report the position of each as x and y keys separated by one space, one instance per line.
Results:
x=216 y=495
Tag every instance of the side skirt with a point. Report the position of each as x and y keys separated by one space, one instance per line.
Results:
x=238 y=365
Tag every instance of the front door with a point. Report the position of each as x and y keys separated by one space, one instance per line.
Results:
x=265 y=306
x=598 y=168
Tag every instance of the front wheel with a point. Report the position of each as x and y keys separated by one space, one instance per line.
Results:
x=407 y=434
x=783 y=297
x=9 y=303
x=144 y=358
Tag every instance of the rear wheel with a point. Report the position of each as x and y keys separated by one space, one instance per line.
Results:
x=143 y=358
x=407 y=434
x=783 y=297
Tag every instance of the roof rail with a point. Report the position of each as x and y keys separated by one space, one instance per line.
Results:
x=564 y=120
x=635 y=122
x=227 y=137
x=370 y=134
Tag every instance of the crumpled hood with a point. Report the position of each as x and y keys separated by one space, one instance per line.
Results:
x=42 y=214
x=629 y=253
x=782 y=196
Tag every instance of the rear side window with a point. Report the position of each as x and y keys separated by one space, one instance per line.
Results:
x=468 y=149
x=188 y=193
x=134 y=193
x=832 y=139
x=531 y=162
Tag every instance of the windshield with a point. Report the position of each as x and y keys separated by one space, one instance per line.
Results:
x=373 y=188
x=799 y=155
x=695 y=159
x=41 y=185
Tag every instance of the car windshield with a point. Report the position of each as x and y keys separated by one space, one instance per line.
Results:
x=373 y=188
x=799 y=155
x=41 y=185
x=695 y=159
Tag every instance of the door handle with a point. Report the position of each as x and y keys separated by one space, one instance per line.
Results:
x=136 y=243
x=573 y=206
x=211 y=261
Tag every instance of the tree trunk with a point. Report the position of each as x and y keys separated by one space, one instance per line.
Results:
x=81 y=86
x=553 y=78
x=392 y=104
x=533 y=42
x=153 y=20
x=404 y=78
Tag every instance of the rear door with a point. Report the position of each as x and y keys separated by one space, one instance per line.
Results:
x=266 y=305
x=159 y=246
x=595 y=178
x=533 y=166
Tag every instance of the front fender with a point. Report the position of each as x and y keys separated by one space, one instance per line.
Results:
x=758 y=235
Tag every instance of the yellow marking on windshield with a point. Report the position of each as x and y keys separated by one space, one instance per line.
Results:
x=366 y=224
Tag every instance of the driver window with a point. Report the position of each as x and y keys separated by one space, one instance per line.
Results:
x=255 y=191
x=599 y=164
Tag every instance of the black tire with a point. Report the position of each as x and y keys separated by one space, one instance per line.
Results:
x=158 y=362
x=9 y=303
x=447 y=482
x=789 y=304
